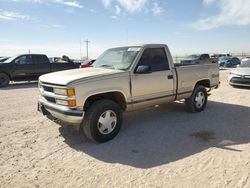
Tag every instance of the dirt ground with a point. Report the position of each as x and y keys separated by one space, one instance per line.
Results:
x=158 y=147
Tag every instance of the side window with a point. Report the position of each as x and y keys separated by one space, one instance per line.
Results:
x=40 y=59
x=25 y=59
x=155 y=58
x=204 y=56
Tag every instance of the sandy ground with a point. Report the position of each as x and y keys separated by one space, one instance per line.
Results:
x=159 y=147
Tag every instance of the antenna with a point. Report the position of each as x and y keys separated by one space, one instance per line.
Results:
x=87 y=47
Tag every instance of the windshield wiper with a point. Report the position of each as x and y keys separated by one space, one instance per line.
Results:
x=107 y=66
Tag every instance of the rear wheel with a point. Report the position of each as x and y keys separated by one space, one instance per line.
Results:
x=4 y=80
x=103 y=121
x=198 y=100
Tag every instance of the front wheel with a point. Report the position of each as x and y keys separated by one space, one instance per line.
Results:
x=103 y=121
x=4 y=80
x=198 y=100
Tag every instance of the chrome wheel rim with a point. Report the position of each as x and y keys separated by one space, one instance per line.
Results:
x=199 y=99
x=107 y=122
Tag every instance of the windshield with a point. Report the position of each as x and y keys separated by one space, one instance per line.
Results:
x=117 y=58
x=245 y=63
x=10 y=59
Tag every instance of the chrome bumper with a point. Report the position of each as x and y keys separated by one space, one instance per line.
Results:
x=60 y=112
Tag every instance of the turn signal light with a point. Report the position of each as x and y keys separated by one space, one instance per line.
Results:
x=70 y=91
x=72 y=103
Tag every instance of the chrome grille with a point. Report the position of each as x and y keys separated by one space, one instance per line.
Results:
x=47 y=91
x=240 y=80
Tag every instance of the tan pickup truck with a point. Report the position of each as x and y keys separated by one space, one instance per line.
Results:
x=123 y=79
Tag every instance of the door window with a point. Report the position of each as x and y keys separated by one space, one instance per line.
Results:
x=26 y=59
x=155 y=58
x=40 y=59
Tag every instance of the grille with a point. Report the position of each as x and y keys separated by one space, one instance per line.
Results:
x=50 y=99
x=46 y=88
x=241 y=80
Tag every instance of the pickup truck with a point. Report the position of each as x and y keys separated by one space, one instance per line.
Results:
x=123 y=79
x=29 y=67
x=198 y=59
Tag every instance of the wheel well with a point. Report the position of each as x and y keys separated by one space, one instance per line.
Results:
x=6 y=74
x=117 y=97
x=205 y=83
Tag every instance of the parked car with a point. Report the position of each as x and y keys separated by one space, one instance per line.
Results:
x=29 y=67
x=87 y=63
x=245 y=59
x=123 y=79
x=2 y=59
x=228 y=61
x=241 y=75
x=198 y=59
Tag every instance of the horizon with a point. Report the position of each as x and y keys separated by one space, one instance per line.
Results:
x=56 y=27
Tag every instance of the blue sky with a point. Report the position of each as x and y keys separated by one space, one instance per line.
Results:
x=56 y=27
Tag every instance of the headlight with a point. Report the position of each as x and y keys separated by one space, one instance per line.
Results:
x=66 y=92
x=60 y=91
x=70 y=103
x=234 y=75
x=62 y=102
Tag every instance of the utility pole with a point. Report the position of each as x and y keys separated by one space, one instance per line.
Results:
x=80 y=48
x=87 y=47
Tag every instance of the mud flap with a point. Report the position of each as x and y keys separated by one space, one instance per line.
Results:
x=41 y=109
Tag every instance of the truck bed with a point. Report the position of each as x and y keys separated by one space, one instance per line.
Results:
x=187 y=75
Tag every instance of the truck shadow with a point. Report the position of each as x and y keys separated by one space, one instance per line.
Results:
x=21 y=85
x=158 y=136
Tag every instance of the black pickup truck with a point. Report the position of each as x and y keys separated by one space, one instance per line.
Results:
x=29 y=67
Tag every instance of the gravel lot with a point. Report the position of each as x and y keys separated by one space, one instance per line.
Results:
x=158 y=147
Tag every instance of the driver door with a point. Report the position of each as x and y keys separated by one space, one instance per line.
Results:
x=156 y=85
x=24 y=68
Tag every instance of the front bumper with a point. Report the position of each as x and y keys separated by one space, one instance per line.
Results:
x=239 y=80
x=63 y=113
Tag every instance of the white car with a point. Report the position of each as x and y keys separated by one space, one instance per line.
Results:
x=241 y=75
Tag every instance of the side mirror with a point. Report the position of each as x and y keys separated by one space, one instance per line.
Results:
x=143 y=69
x=17 y=61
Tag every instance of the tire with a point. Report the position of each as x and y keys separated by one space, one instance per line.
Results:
x=198 y=100
x=106 y=111
x=4 y=80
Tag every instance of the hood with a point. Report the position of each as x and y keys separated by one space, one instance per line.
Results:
x=242 y=71
x=65 y=77
x=3 y=64
x=223 y=61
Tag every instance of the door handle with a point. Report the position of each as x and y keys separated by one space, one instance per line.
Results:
x=170 y=77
